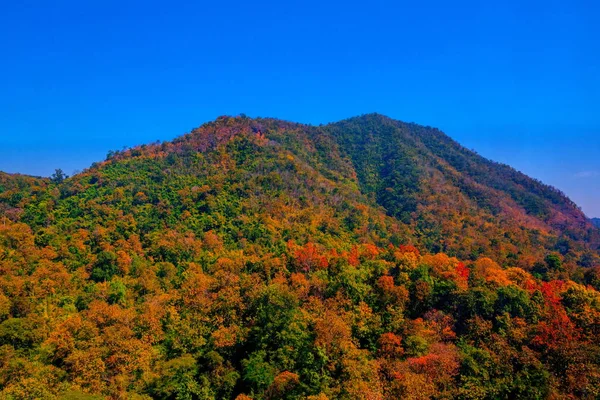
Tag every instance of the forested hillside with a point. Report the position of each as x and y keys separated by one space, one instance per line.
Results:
x=263 y=259
x=457 y=201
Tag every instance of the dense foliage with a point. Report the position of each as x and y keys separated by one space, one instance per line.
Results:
x=457 y=201
x=368 y=259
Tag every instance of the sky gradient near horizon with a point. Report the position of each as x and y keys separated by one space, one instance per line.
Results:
x=517 y=81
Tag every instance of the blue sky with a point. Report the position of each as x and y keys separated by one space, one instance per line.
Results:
x=518 y=81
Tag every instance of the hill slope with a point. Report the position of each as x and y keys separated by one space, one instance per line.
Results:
x=444 y=197
x=262 y=258
x=456 y=201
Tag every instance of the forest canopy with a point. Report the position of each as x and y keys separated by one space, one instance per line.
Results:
x=263 y=259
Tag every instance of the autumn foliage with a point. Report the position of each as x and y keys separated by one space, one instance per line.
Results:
x=260 y=259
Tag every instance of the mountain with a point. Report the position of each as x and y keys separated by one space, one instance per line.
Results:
x=264 y=259
x=596 y=222
x=457 y=201
x=444 y=197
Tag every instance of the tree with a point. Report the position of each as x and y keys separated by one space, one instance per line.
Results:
x=554 y=262
x=58 y=176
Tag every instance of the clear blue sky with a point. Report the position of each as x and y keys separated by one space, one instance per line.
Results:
x=518 y=81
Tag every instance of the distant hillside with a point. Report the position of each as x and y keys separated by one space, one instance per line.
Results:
x=457 y=201
x=263 y=259
x=437 y=195
x=443 y=197
x=18 y=190
x=596 y=222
